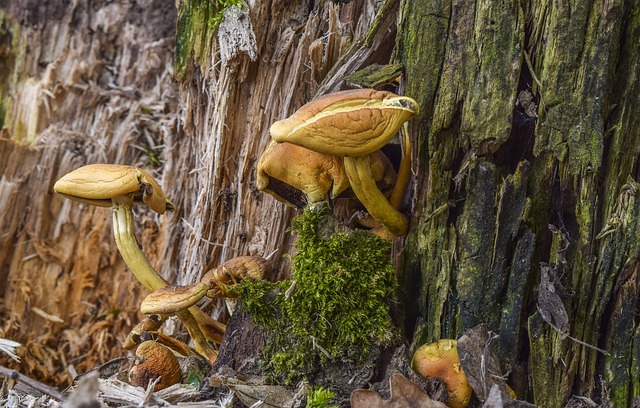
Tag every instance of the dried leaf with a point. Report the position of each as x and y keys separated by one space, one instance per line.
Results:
x=482 y=368
x=550 y=304
x=404 y=393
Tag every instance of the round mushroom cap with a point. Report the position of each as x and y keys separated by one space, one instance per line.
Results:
x=440 y=360
x=346 y=123
x=155 y=361
x=297 y=176
x=98 y=184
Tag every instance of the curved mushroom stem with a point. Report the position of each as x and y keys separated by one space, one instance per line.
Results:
x=364 y=186
x=404 y=171
x=123 y=226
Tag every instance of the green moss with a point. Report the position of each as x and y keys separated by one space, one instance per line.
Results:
x=320 y=397
x=197 y=24
x=338 y=308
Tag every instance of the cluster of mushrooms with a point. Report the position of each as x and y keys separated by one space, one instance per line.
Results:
x=332 y=144
x=328 y=147
x=121 y=187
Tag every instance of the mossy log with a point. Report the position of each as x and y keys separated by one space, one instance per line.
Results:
x=528 y=156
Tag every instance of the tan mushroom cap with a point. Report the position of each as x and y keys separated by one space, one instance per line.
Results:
x=306 y=176
x=234 y=270
x=440 y=360
x=98 y=184
x=171 y=299
x=297 y=176
x=346 y=123
x=155 y=361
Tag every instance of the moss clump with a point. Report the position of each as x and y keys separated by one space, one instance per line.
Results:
x=320 y=397
x=197 y=24
x=338 y=308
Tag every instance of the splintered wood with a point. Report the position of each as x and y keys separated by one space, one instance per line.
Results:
x=94 y=84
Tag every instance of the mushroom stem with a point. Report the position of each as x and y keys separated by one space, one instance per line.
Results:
x=123 y=230
x=404 y=171
x=364 y=186
x=123 y=225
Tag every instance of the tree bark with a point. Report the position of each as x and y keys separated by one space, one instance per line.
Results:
x=506 y=189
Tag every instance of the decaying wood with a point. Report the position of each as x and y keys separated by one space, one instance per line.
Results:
x=527 y=152
x=88 y=83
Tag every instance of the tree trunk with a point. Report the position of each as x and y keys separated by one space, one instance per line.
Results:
x=524 y=203
x=527 y=182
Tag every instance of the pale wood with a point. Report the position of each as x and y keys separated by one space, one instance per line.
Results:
x=89 y=83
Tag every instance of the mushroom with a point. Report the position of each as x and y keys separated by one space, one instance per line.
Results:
x=298 y=176
x=233 y=270
x=172 y=299
x=155 y=361
x=440 y=360
x=353 y=124
x=213 y=284
x=122 y=187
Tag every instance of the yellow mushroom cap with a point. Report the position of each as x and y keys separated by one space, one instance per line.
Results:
x=234 y=270
x=155 y=361
x=97 y=184
x=440 y=360
x=346 y=123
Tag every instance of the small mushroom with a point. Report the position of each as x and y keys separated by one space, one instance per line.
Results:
x=352 y=125
x=122 y=187
x=155 y=361
x=298 y=176
x=171 y=299
x=440 y=360
x=229 y=273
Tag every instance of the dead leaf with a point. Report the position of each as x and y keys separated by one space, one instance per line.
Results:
x=481 y=365
x=404 y=394
x=550 y=304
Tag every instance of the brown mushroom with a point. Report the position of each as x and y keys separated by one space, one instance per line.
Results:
x=121 y=187
x=440 y=360
x=299 y=177
x=174 y=298
x=353 y=124
x=155 y=361
x=229 y=273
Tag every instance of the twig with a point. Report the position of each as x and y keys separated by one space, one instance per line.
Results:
x=35 y=384
x=592 y=347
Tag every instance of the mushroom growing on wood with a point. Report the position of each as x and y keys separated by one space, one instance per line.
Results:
x=214 y=284
x=155 y=361
x=298 y=176
x=122 y=187
x=440 y=360
x=220 y=279
x=353 y=124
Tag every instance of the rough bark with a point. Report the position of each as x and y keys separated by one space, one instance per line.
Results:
x=528 y=160
x=81 y=83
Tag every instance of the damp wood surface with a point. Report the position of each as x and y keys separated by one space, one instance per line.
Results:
x=523 y=189
x=526 y=156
